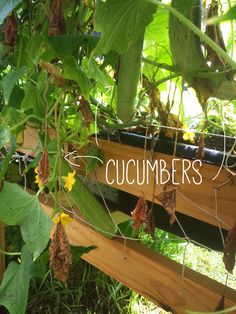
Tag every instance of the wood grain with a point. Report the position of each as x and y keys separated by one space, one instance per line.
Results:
x=149 y=273
x=205 y=202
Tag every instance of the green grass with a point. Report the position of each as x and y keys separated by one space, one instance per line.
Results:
x=89 y=291
x=202 y=260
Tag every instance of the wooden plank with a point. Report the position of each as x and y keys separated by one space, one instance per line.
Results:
x=2 y=247
x=198 y=201
x=149 y=273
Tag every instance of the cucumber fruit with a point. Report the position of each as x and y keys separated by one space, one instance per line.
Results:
x=128 y=77
x=91 y=209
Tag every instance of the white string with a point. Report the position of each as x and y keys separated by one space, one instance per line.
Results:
x=224 y=152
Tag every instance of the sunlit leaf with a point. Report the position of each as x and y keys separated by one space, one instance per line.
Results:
x=121 y=23
x=5 y=134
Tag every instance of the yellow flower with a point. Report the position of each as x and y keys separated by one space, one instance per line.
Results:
x=188 y=135
x=37 y=180
x=69 y=180
x=63 y=218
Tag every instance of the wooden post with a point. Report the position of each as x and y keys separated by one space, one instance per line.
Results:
x=2 y=247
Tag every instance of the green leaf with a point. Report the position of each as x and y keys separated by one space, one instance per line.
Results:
x=4 y=164
x=78 y=251
x=72 y=71
x=65 y=44
x=33 y=99
x=229 y=15
x=94 y=161
x=35 y=229
x=6 y=6
x=5 y=134
x=11 y=117
x=19 y=207
x=9 y=81
x=121 y=23
x=15 y=284
x=183 y=6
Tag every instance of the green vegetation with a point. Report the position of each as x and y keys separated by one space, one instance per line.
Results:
x=82 y=67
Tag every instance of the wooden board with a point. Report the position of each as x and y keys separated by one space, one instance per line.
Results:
x=198 y=201
x=149 y=273
x=2 y=247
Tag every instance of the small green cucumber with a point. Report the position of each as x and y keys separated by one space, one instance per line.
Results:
x=91 y=209
x=128 y=78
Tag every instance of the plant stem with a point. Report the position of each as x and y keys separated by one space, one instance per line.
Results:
x=26 y=119
x=10 y=254
x=197 y=31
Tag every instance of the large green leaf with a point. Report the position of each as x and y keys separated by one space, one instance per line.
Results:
x=121 y=23
x=19 y=207
x=34 y=98
x=15 y=284
x=9 y=81
x=35 y=229
x=6 y=6
x=72 y=71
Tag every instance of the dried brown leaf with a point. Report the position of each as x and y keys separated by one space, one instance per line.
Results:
x=172 y=219
x=44 y=168
x=57 y=23
x=150 y=227
x=221 y=305
x=230 y=250
x=201 y=144
x=60 y=257
x=214 y=32
x=57 y=77
x=168 y=197
x=84 y=107
x=139 y=214
x=10 y=31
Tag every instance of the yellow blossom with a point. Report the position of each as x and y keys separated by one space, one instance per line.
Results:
x=69 y=180
x=63 y=218
x=37 y=180
x=188 y=135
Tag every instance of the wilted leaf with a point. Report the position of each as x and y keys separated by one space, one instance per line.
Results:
x=221 y=305
x=150 y=227
x=230 y=250
x=10 y=31
x=139 y=214
x=15 y=284
x=57 y=77
x=214 y=32
x=60 y=257
x=86 y=112
x=43 y=169
x=201 y=144
x=57 y=23
x=168 y=199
